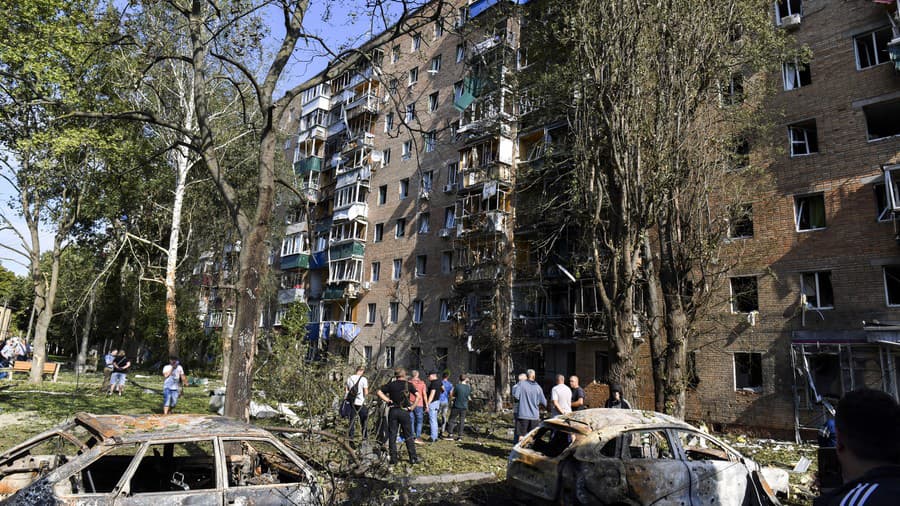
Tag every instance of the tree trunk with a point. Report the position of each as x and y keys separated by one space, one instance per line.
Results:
x=676 y=319
x=45 y=315
x=182 y=165
x=81 y=359
x=227 y=333
x=655 y=312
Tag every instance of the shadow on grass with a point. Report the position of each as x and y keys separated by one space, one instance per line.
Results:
x=491 y=451
x=487 y=494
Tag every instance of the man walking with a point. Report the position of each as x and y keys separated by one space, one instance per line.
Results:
x=356 y=390
x=577 y=394
x=174 y=380
x=120 y=368
x=515 y=388
x=560 y=397
x=108 y=360
x=418 y=414
x=435 y=390
x=397 y=395
x=530 y=397
x=459 y=406
x=445 y=401
x=868 y=448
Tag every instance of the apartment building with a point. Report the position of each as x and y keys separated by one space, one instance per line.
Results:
x=814 y=306
x=406 y=250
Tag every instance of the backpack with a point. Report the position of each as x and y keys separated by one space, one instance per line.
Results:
x=354 y=390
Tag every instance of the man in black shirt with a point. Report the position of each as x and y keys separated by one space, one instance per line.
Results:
x=397 y=395
x=435 y=389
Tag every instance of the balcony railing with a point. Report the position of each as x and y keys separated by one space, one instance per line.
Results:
x=298 y=261
x=487 y=221
x=367 y=102
x=308 y=164
x=290 y=295
x=488 y=171
x=342 y=251
x=484 y=271
x=359 y=140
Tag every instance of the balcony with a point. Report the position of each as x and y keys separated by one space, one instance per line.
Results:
x=357 y=141
x=487 y=271
x=319 y=132
x=295 y=228
x=547 y=328
x=350 y=291
x=353 y=175
x=491 y=222
x=298 y=261
x=291 y=295
x=355 y=210
x=486 y=172
x=307 y=165
x=351 y=249
x=366 y=102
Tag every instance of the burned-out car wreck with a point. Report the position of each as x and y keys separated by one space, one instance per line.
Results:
x=159 y=460
x=631 y=457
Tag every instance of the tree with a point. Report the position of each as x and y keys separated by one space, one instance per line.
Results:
x=649 y=154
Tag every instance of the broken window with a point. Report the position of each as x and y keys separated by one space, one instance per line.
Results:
x=433 y=102
x=404 y=186
x=601 y=366
x=817 y=288
x=450 y=217
x=379 y=232
x=881 y=119
x=748 y=371
x=647 y=445
x=549 y=441
x=871 y=48
x=795 y=75
x=397 y=266
x=102 y=475
x=785 y=8
x=445 y=310
x=382 y=194
x=892 y=284
x=259 y=462
x=810 y=212
x=740 y=224
x=803 y=137
x=732 y=90
x=181 y=466
x=446 y=262
x=424 y=223
x=390 y=351
x=744 y=294
x=400 y=229
x=698 y=448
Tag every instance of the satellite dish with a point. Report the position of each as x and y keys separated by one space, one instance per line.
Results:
x=377 y=156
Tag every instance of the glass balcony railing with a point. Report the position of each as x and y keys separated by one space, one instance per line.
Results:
x=347 y=250
x=298 y=261
x=308 y=164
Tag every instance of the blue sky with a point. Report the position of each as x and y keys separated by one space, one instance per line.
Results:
x=340 y=23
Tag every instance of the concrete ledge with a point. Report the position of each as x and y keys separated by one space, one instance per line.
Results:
x=443 y=479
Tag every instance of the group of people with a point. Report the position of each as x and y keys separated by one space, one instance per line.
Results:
x=406 y=399
x=529 y=399
x=13 y=349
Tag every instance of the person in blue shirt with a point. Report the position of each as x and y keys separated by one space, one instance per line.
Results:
x=531 y=397
x=444 y=409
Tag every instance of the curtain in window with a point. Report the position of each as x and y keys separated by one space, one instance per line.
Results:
x=816 y=212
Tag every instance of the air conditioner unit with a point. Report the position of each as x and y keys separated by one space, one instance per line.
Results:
x=449 y=187
x=444 y=232
x=791 y=21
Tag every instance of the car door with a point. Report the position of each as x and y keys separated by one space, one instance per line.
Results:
x=654 y=472
x=264 y=472
x=95 y=476
x=174 y=472
x=534 y=464
x=718 y=474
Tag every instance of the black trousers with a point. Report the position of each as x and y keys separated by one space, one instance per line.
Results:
x=363 y=413
x=398 y=418
x=457 y=421
x=524 y=426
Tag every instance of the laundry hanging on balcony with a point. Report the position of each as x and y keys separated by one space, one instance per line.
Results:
x=489 y=190
x=348 y=331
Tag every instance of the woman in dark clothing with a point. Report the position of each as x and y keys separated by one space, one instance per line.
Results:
x=616 y=398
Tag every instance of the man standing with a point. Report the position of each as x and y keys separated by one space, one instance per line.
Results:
x=120 y=368
x=515 y=388
x=435 y=390
x=460 y=405
x=397 y=394
x=868 y=448
x=356 y=390
x=8 y=353
x=108 y=360
x=530 y=397
x=577 y=394
x=560 y=397
x=417 y=416
x=174 y=380
x=445 y=401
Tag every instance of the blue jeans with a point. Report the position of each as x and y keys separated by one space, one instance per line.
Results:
x=417 y=416
x=433 y=409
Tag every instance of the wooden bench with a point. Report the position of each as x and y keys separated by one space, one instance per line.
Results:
x=51 y=368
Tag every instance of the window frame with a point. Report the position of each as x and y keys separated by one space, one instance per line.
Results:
x=424 y=223
x=396 y=269
x=403 y=188
x=416 y=42
x=418 y=310
x=444 y=315
x=413 y=76
x=460 y=53
x=421 y=266
x=434 y=66
x=375 y=271
x=799 y=127
x=887 y=293
x=400 y=228
x=797 y=211
x=874 y=40
x=754 y=388
x=371 y=313
x=733 y=299
x=798 y=72
x=378 y=232
x=817 y=289
x=433 y=101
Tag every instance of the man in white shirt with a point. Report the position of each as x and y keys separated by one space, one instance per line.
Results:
x=356 y=390
x=560 y=397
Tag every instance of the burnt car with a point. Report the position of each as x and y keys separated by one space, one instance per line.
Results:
x=154 y=459
x=631 y=457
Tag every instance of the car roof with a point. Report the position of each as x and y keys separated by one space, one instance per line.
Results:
x=131 y=428
x=603 y=419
